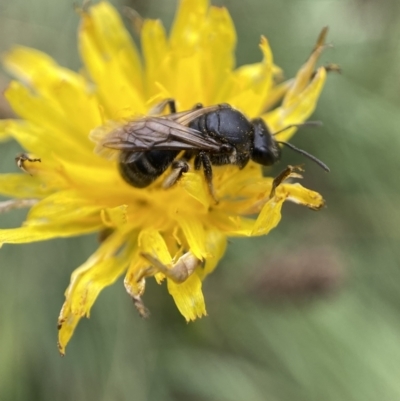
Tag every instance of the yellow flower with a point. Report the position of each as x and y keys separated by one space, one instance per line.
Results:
x=179 y=231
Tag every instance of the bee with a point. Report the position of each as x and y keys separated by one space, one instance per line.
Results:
x=213 y=136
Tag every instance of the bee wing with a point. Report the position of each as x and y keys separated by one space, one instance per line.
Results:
x=185 y=117
x=168 y=132
x=99 y=135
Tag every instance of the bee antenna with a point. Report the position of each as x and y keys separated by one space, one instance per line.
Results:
x=306 y=154
x=305 y=124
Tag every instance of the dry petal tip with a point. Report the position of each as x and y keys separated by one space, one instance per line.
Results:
x=317 y=207
x=82 y=9
x=332 y=67
x=12 y=204
x=288 y=172
x=143 y=311
x=321 y=38
x=135 y=19
x=61 y=349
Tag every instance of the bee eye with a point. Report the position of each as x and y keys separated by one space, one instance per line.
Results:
x=266 y=156
x=265 y=151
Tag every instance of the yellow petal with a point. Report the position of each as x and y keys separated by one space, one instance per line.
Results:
x=305 y=73
x=193 y=231
x=36 y=139
x=240 y=183
x=193 y=184
x=304 y=104
x=216 y=243
x=22 y=186
x=150 y=241
x=276 y=94
x=93 y=180
x=63 y=206
x=31 y=66
x=63 y=90
x=98 y=272
x=233 y=225
x=186 y=29
x=66 y=327
x=115 y=217
x=202 y=47
x=112 y=61
x=298 y=194
x=186 y=57
x=155 y=54
x=44 y=232
x=253 y=83
x=188 y=297
x=217 y=50
x=133 y=284
x=43 y=112
x=299 y=109
x=269 y=216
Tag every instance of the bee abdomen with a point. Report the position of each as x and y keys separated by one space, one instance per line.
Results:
x=147 y=168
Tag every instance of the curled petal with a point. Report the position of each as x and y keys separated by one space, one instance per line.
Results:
x=299 y=109
x=298 y=194
x=98 y=272
x=188 y=297
x=306 y=72
x=269 y=216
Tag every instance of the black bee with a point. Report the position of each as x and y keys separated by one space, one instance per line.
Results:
x=215 y=135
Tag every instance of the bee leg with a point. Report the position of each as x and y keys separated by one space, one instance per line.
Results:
x=178 y=168
x=197 y=162
x=159 y=107
x=179 y=271
x=172 y=106
x=198 y=106
x=187 y=155
x=204 y=159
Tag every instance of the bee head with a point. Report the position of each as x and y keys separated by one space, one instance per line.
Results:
x=265 y=150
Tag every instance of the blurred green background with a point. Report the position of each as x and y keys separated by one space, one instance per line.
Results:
x=311 y=312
